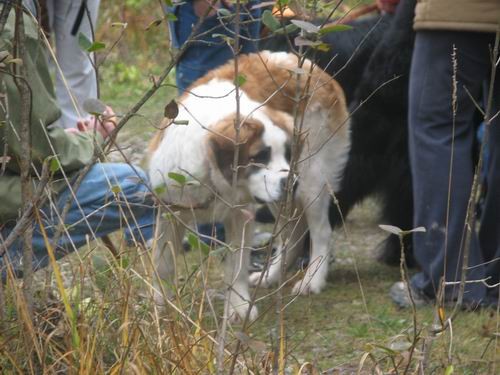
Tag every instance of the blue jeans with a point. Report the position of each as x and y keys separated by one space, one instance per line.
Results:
x=96 y=212
x=207 y=52
x=439 y=251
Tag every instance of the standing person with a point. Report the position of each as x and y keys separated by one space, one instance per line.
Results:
x=441 y=136
x=76 y=78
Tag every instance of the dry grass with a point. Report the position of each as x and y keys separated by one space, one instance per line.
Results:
x=117 y=330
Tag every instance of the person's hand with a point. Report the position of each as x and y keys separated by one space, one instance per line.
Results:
x=103 y=125
x=388 y=6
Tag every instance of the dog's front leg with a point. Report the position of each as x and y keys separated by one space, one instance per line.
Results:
x=321 y=232
x=292 y=237
x=168 y=244
x=239 y=228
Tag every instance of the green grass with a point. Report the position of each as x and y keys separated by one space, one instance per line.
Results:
x=334 y=329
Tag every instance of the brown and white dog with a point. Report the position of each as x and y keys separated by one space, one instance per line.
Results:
x=203 y=151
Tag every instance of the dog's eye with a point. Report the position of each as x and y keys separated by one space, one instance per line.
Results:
x=263 y=156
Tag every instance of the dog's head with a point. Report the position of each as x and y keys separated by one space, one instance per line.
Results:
x=263 y=161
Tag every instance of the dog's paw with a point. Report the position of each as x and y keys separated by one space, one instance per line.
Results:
x=238 y=313
x=267 y=279
x=309 y=285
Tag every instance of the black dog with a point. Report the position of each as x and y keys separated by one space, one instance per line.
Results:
x=378 y=163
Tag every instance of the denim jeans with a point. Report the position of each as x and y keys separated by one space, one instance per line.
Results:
x=441 y=204
x=111 y=197
x=207 y=51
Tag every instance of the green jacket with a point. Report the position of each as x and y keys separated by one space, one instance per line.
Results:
x=73 y=150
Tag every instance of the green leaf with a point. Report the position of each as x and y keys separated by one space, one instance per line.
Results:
x=119 y=24
x=94 y=106
x=400 y=346
x=17 y=61
x=195 y=243
x=385 y=349
x=170 y=17
x=391 y=229
x=308 y=27
x=167 y=216
x=225 y=38
x=334 y=29
x=224 y=12
x=322 y=47
x=179 y=178
x=301 y=41
x=87 y=45
x=154 y=23
x=414 y=230
x=449 y=370
x=220 y=251
x=54 y=165
x=116 y=189
x=169 y=3
x=84 y=42
x=181 y=122
x=288 y=29
x=96 y=46
x=4 y=55
x=160 y=189
x=270 y=21
x=240 y=80
x=400 y=232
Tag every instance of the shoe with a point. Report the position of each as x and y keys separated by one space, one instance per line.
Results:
x=401 y=297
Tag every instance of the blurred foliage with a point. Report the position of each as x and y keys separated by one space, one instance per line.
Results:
x=138 y=44
x=144 y=50
x=140 y=53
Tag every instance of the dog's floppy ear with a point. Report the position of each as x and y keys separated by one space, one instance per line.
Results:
x=222 y=145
